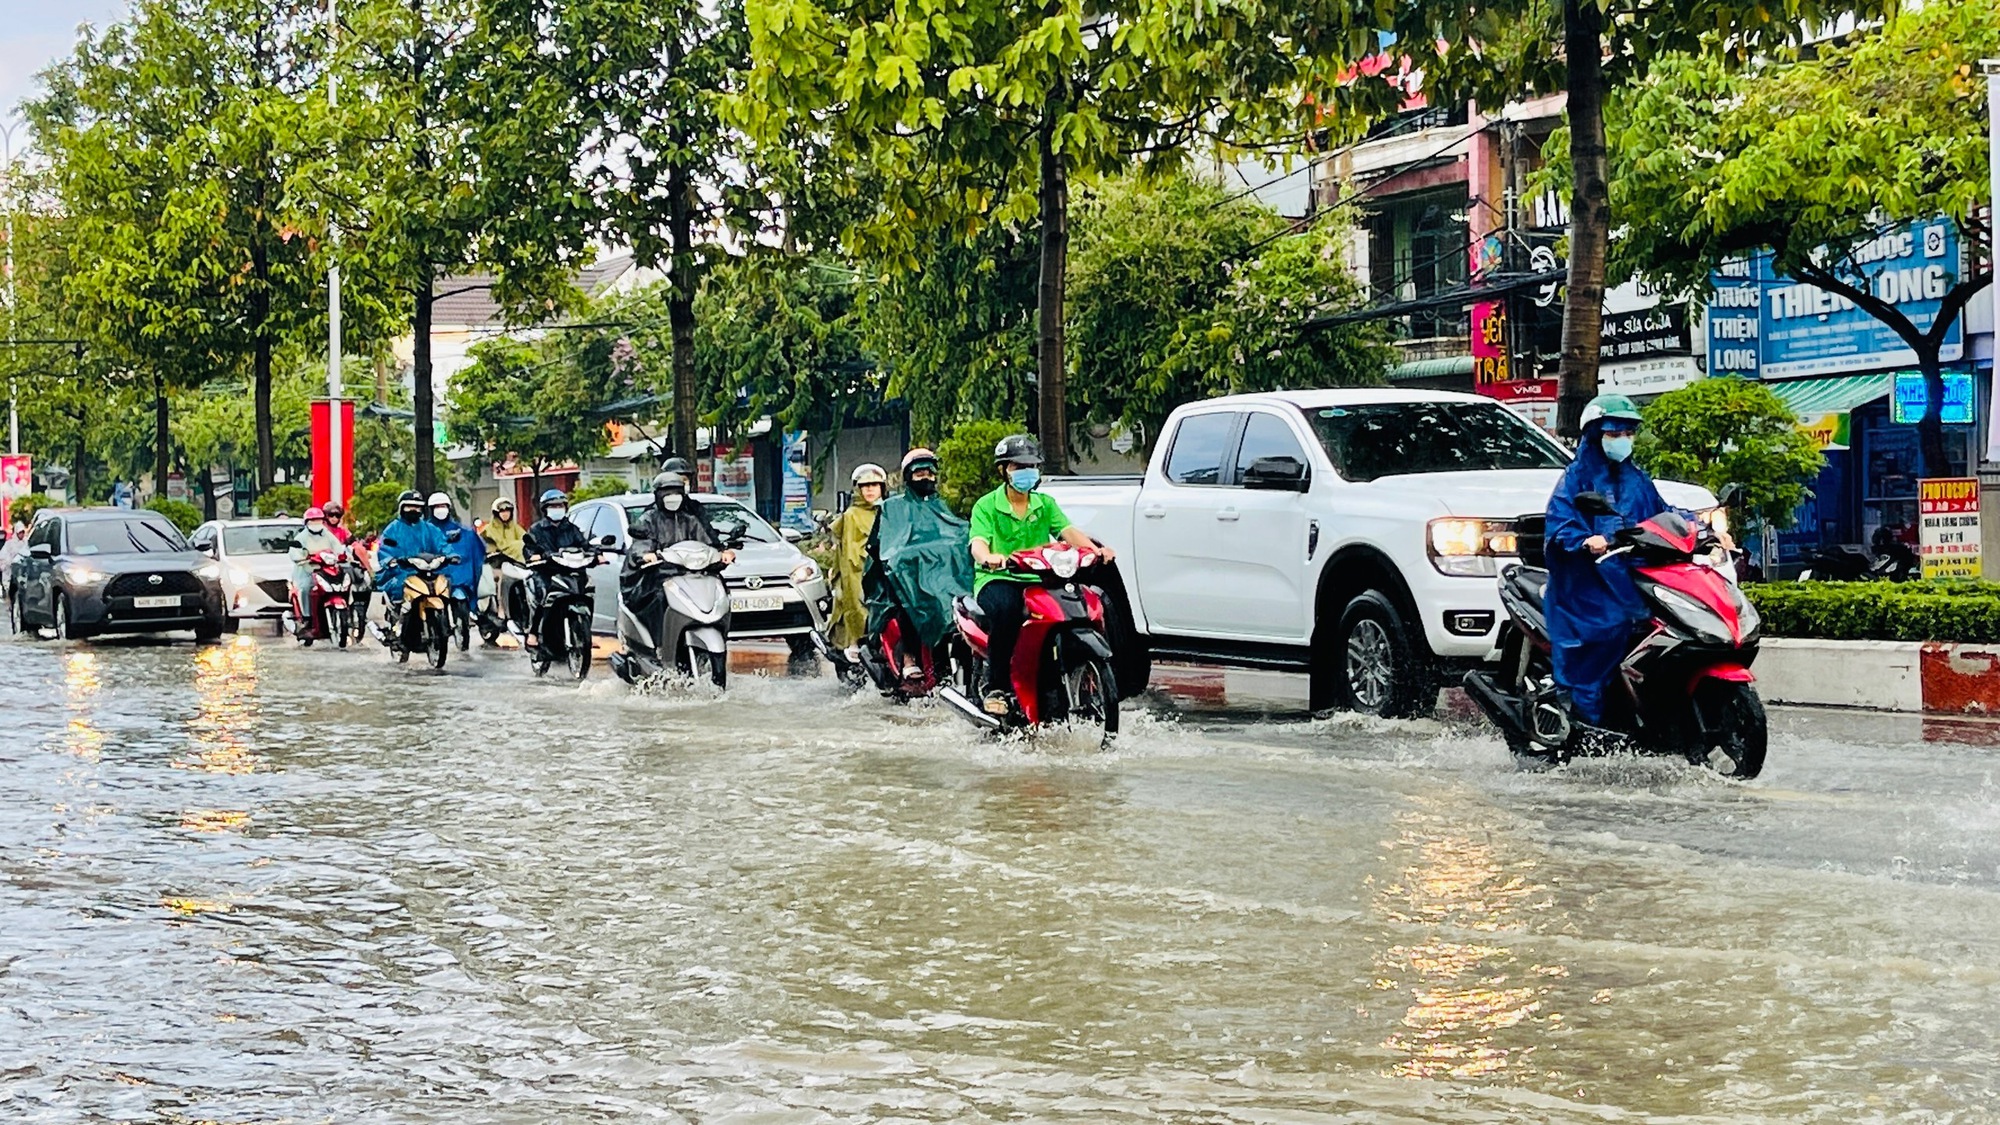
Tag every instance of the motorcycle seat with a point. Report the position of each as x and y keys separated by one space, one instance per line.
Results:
x=969 y=606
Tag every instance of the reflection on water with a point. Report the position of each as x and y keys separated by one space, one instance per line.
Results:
x=81 y=684
x=225 y=684
x=1466 y=995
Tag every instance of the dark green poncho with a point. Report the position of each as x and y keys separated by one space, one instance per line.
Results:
x=920 y=559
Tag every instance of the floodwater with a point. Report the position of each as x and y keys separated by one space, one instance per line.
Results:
x=250 y=883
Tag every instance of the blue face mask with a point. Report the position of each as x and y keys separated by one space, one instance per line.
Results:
x=1618 y=448
x=1024 y=480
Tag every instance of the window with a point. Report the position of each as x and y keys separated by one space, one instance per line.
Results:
x=45 y=531
x=257 y=539
x=1199 y=443
x=123 y=537
x=595 y=521
x=723 y=515
x=1266 y=435
x=1397 y=438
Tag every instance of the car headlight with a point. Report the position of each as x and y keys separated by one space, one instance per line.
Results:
x=78 y=572
x=238 y=576
x=208 y=570
x=1470 y=548
x=805 y=572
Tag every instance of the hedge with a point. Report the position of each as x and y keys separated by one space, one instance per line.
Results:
x=1880 y=611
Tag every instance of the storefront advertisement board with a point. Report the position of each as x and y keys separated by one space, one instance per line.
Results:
x=797 y=510
x=1907 y=404
x=1948 y=527
x=736 y=474
x=17 y=479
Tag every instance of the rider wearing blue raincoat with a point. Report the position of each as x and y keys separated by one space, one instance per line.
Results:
x=470 y=549
x=410 y=534
x=1593 y=607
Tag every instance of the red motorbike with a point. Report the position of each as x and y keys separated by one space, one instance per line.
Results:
x=1684 y=689
x=1062 y=663
x=331 y=612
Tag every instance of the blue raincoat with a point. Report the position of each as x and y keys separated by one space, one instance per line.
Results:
x=1593 y=607
x=420 y=538
x=471 y=552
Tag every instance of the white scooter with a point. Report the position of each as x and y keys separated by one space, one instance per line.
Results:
x=688 y=636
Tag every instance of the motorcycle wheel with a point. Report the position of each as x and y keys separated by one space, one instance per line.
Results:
x=538 y=657
x=340 y=625
x=1090 y=693
x=462 y=626
x=577 y=656
x=1738 y=734
x=438 y=642
x=709 y=666
x=489 y=630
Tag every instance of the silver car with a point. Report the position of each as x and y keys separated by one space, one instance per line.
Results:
x=764 y=599
x=256 y=568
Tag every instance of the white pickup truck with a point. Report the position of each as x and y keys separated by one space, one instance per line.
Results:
x=1350 y=534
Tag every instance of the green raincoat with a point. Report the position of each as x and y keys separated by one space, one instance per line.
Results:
x=919 y=560
x=851 y=530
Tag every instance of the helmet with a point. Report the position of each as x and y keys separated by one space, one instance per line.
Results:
x=668 y=481
x=500 y=503
x=410 y=496
x=1610 y=406
x=315 y=513
x=334 y=508
x=552 y=496
x=438 y=498
x=677 y=465
x=918 y=458
x=870 y=473
x=1017 y=449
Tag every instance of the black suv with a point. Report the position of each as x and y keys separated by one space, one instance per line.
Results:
x=114 y=570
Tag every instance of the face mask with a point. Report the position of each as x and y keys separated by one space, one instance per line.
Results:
x=1024 y=480
x=1618 y=448
x=441 y=514
x=672 y=501
x=557 y=515
x=315 y=527
x=923 y=488
x=409 y=515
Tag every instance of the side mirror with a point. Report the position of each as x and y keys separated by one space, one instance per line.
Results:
x=1277 y=474
x=791 y=534
x=42 y=551
x=1595 y=504
x=639 y=532
x=1731 y=495
x=608 y=541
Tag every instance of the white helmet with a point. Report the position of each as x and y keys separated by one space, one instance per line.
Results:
x=870 y=473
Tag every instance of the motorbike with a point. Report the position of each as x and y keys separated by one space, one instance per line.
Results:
x=329 y=613
x=424 y=623
x=1891 y=560
x=464 y=608
x=1684 y=689
x=499 y=609
x=1062 y=666
x=689 y=635
x=566 y=610
x=885 y=661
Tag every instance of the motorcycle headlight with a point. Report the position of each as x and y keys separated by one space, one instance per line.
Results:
x=805 y=572
x=1064 y=563
x=1470 y=548
x=1705 y=622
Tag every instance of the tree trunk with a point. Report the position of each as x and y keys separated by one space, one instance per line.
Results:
x=680 y=309
x=1936 y=461
x=162 y=439
x=420 y=396
x=260 y=365
x=1589 y=212
x=1051 y=411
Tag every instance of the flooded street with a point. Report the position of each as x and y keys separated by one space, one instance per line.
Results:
x=250 y=883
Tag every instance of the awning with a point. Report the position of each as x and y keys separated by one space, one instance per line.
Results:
x=1823 y=405
x=1442 y=367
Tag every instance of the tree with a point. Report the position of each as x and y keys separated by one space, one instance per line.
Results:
x=776 y=334
x=965 y=461
x=1497 y=52
x=1717 y=432
x=538 y=400
x=971 y=114
x=1180 y=291
x=174 y=140
x=1814 y=161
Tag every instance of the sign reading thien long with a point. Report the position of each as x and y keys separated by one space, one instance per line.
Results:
x=1948 y=526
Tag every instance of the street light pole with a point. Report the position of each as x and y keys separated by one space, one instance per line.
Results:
x=7 y=155
x=1992 y=68
x=333 y=387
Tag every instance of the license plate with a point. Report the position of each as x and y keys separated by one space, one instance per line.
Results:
x=754 y=603
x=165 y=602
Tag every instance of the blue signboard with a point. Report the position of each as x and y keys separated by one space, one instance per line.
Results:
x=1908 y=404
x=1762 y=325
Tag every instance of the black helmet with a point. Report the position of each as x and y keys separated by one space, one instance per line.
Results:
x=1017 y=449
x=677 y=465
x=410 y=496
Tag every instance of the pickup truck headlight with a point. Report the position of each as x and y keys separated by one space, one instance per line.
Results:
x=1470 y=548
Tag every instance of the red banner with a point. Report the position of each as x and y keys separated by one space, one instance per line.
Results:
x=17 y=479
x=1493 y=372
x=323 y=472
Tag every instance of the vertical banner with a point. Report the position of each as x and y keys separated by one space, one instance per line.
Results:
x=736 y=474
x=17 y=479
x=1494 y=372
x=1948 y=527
x=324 y=473
x=797 y=511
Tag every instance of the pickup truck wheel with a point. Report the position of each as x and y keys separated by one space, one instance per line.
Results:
x=1377 y=670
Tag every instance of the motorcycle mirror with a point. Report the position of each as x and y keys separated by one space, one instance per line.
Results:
x=608 y=541
x=453 y=536
x=1731 y=495
x=638 y=532
x=1595 y=504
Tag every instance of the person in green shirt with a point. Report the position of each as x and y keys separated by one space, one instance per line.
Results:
x=1013 y=517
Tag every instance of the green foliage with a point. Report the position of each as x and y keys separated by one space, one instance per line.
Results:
x=775 y=335
x=965 y=461
x=595 y=487
x=542 y=400
x=1178 y=293
x=180 y=513
x=1880 y=611
x=373 y=506
x=1722 y=431
x=291 y=499
x=23 y=508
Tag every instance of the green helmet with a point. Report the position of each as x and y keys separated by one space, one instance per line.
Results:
x=1610 y=406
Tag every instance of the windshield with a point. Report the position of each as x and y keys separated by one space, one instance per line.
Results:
x=122 y=537
x=267 y=539
x=1395 y=438
x=721 y=514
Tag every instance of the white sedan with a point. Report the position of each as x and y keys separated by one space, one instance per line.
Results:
x=256 y=568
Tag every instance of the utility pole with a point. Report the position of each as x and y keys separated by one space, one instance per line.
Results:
x=333 y=387
x=7 y=154
x=1992 y=68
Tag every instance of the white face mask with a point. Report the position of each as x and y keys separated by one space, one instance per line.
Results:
x=557 y=515
x=441 y=514
x=672 y=501
x=316 y=527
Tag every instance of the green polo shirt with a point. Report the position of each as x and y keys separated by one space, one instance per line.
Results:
x=993 y=520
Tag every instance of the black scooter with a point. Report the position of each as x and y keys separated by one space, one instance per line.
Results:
x=1892 y=560
x=566 y=609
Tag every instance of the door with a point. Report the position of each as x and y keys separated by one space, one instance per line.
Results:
x=1177 y=524
x=38 y=574
x=1264 y=538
